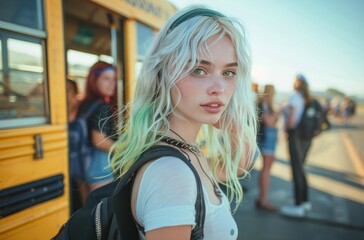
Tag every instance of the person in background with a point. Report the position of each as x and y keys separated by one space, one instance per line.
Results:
x=326 y=125
x=72 y=99
x=298 y=148
x=100 y=91
x=267 y=144
x=78 y=191
x=196 y=76
x=347 y=108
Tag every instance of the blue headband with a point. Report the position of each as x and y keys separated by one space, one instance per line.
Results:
x=193 y=13
x=99 y=71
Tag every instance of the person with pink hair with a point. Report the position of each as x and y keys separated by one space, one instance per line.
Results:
x=101 y=91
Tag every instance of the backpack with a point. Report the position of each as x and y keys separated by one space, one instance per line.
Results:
x=311 y=121
x=79 y=150
x=260 y=125
x=107 y=214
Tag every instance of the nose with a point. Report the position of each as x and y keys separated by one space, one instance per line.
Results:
x=217 y=87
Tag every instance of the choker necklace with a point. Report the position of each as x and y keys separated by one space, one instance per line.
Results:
x=195 y=151
x=181 y=144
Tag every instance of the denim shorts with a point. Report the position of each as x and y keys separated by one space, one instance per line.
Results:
x=269 y=143
x=99 y=170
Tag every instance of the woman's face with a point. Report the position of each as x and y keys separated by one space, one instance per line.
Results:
x=296 y=84
x=206 y=91
x=71 y=94
x=106 y=83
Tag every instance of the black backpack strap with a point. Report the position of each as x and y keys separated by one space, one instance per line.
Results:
x=123 y=205
x=91 y=109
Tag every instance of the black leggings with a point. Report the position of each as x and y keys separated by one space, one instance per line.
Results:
x=298 y=149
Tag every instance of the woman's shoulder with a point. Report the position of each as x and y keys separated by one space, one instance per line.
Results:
x=169 y=166
x=169 y=178
x=169 y=174
x=296 y=97
x=87 y=104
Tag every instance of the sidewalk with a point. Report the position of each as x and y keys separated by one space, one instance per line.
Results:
x=336 y=193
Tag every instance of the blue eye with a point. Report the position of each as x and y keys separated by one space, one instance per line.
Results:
x=229 y=74
x=199 y=71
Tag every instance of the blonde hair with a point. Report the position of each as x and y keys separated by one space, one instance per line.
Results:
x=166 y=63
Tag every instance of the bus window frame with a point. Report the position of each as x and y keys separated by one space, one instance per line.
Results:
x=26 y=121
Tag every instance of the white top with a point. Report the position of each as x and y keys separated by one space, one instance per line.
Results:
x=167 y=196
x=298 y=103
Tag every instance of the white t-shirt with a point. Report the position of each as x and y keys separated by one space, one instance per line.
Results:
x=298 y=103
x=167 y=196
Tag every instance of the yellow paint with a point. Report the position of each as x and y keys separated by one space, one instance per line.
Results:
x=56 y=61
x=131 y=56
x=150 y=12
x=10 y=133
x=14 y=144
x=38 y=222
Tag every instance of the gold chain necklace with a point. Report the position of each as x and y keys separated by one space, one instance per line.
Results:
x=195 y=151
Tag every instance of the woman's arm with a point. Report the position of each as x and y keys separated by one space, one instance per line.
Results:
x=167 y=233
x=101 y=141
x=291 y=117
x=270 y=119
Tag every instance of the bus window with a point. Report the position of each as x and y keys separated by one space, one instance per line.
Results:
x=27 y=13
x=23 y=98
x=23 y=90
x=144 y=38
x=79 y=64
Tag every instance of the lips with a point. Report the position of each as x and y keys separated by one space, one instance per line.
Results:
x=213 y=107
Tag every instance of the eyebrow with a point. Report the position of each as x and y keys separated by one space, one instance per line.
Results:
x=204 y=62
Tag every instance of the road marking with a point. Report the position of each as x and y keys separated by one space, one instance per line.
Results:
x=354 y=157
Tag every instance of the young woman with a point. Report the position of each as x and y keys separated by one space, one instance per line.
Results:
x=196 y=75
x=298 y=148
x=269 y=120
x=100 y=94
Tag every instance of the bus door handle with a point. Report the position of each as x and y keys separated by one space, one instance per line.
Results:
x=38 y=146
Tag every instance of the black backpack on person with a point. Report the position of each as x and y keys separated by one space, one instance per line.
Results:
x=79 y=148
x=311 y=121
x=107 y=214
x=260 y=125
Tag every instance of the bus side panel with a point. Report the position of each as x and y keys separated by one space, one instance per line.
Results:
x=19 y=168
x=41 y=228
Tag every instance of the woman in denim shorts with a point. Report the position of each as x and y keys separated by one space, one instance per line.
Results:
x=267 y=145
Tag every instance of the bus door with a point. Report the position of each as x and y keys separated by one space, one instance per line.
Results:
x=91 y=35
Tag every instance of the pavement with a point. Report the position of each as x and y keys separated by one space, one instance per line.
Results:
x=335 y=170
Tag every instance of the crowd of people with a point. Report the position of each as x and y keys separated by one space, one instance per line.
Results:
x=298 y=146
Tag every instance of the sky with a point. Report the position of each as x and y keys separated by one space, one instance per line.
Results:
x=322 y=39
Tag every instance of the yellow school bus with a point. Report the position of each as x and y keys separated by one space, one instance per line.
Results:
x=42 y=42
